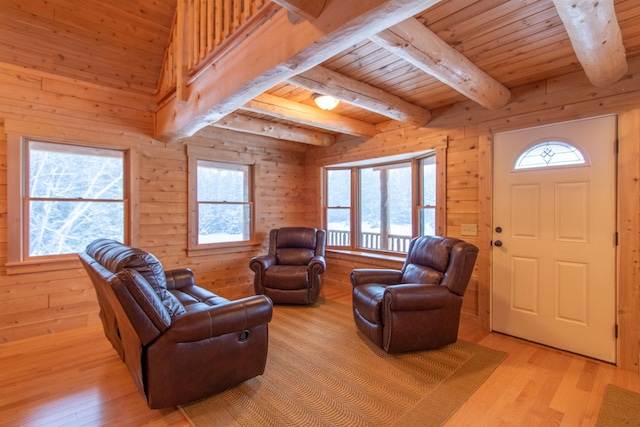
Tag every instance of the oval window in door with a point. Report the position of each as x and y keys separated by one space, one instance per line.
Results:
x=549 y=154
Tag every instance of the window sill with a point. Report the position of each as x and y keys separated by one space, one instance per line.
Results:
x=360 y=256
x=45 y=264
x=222 y=248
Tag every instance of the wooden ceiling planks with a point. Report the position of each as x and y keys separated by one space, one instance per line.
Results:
x=463 y=10
x=121 y=44
x=629 y=20
x=117 y=44
x=501 y=37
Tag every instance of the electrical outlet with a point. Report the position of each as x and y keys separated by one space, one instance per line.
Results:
x=469 y=229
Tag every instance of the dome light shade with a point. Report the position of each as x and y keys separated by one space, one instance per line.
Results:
x=325 y=102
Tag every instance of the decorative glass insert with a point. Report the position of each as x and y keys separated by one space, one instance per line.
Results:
x=548 y=154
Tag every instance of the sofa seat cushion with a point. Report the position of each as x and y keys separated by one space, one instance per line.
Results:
x=286 y=277
x=367 y=300
x=195 y=298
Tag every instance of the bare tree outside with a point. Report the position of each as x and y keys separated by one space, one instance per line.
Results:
x=75 y=195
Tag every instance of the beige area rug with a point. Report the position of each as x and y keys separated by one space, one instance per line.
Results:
x=620 y=407
x=321 y=372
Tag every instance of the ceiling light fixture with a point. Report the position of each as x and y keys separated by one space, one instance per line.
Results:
x=325 y=102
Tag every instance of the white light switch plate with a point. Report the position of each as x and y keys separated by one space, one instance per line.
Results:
x=469 y=229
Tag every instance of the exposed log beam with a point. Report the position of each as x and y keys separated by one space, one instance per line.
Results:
x=418 y=45
x=307 y=9
x=281 y=108
x=243 y=123
x=596 y=39
x=274 y=52
x=328 y=82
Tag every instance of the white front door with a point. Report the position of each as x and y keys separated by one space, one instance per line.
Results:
x=554 y=238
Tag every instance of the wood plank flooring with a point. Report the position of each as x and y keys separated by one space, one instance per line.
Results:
x=75 y=378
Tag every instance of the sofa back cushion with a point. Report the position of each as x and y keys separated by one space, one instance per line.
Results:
x=142 y=304
x=432 y=251
x=295 y=245
x=416 y=273
x=427 y=259
x=443 y=260
x=115 y=256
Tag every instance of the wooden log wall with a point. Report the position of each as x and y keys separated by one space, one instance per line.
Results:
x=290 y=175
x=43 y=105
x=39 y=104
x=469 y=163
x=462 y=190
x=201 y=30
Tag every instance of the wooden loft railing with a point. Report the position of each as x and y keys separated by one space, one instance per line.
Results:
x=202 y=31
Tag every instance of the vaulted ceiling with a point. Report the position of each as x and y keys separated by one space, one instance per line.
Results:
x=453 y=51
x=115 y=43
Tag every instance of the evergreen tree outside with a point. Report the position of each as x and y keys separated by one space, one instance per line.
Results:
x=224 y=211
x=385 y=204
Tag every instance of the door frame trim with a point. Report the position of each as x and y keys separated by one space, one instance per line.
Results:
x=627 y=253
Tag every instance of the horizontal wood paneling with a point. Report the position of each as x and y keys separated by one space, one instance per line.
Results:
x=469 y=129
x=289 y=178
x=36 y=103
x=118 y=44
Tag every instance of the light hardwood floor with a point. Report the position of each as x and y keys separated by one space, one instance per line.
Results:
x=75 y=378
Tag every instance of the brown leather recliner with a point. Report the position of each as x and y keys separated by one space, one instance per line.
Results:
x=179 y=341
x=291 y=272
x=417 y=307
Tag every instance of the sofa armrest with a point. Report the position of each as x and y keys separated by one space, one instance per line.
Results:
x=179 y=278
x=415 y=296
x=260 y=263
x=361 y=276
x=217 y=320
x=317 y=265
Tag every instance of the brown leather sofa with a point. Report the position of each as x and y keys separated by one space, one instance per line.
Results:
x=417 y=307
x=291 y=271
x=179 y=341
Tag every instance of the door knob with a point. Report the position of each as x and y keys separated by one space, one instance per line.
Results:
x=498 y=243
x=498 y=229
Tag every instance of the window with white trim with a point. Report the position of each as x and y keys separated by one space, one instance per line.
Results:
x=338 y=207
x=221 y=200
x=428 y=193
x=382 y=204
x=70 y=195
x=224 y=203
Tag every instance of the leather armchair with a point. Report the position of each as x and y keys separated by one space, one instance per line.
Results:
x=417 y=307
x=179 y=341
x=291 y=271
